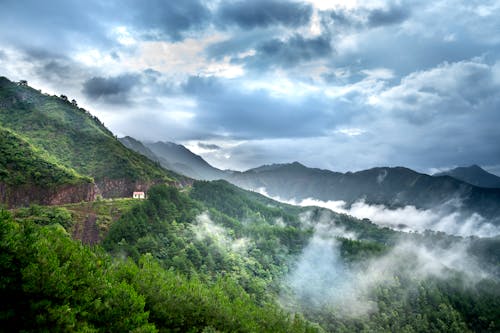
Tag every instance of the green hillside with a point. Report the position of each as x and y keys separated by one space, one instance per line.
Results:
x=23 y=164
x=219 y=259
x=72 y=136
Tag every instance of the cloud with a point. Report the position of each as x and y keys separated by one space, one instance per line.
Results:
x=322 y=280
x=461 y=85
x=264 y=13
x=388 y=16
x=110 y=89
x=226 y=110
x=171 y=19
x=206 y=228
x=330 y=75
x=445 y=218
x=209 y=146
x=365 y=16
x=290 y=52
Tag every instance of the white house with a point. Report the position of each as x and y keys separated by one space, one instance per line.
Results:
x=138 y=195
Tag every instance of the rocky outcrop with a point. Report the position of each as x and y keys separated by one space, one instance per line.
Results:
x=25 y=195
x=122 y=188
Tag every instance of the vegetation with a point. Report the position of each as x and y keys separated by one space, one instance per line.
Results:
x=72 y=136
x=55 y=284
x=180 y=264
x=23 y=164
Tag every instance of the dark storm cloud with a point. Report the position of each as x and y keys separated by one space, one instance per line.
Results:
x=165 y=19
x=362 y=19
x=290 y=52
x=209 y=146
x=341 y=18
x=111 y=89
x=389 y=16
x=264 y=13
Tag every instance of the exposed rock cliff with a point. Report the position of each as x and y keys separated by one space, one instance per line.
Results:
x=25 y=195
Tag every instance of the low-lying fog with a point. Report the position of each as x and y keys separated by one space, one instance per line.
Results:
x=322 y=279
x=409 y=218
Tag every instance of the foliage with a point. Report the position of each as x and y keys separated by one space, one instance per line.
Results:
x=45 y=215
x=53 y=283
x=72 y=136
x=23 y=164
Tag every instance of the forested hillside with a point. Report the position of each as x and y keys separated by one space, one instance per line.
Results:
x=29 y=175
x=218 y=258
x=75 y=139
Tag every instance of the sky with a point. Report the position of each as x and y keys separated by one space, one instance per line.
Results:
x=341 y=85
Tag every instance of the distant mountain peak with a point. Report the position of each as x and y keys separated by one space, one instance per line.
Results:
x=176 y=157
x=474 y=175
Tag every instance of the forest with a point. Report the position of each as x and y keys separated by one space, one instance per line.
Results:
x=215 y=258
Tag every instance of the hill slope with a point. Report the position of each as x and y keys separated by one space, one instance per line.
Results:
x=393 y=187
x=77 y=140
x=27 y=176
x=180 y=159
x=473 y=175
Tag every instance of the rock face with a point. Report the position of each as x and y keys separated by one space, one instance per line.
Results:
x=116 y=188
x=25 y=195
x=123 y=188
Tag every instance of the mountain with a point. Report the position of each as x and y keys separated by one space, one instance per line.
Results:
x=175 y=157
x=28 y=176
x=76 y=140
x=473 y=175
x=393 y=187
x=180 y=159
x=220 y=259
x=138 y=147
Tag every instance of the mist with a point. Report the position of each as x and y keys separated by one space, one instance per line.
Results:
x=321 y=279
x=447 y=218
x=206 y=228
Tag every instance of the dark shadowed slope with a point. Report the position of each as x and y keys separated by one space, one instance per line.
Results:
x=182 y=160
x=474 y=175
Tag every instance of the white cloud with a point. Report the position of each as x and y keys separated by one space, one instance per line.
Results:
x=460 y=83
x=408 y=218
x=321 y=279
x=350 y=131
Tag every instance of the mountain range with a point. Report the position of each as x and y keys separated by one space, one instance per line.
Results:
x=393 y=187
x=474 y=175
x=76 y=141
